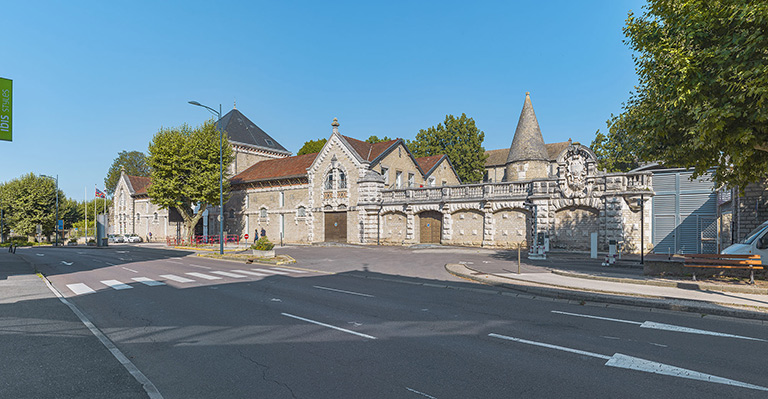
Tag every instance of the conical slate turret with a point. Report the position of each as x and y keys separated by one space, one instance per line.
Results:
x=528 y=143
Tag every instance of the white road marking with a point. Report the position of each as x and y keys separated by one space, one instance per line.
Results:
x=110 y=264
x=420 y=393
x=662 y=326
x=116 y=284
x=342 y=291
x=121 y=252
x=40 y=254
x=228 y=274
x=330 y=326
x=204 y=276
x=269 y=271
x=130 y=270
x=80 y=289
x=176 y=278
x=289 y=270
x=607 y=337
x=635 y=363
x=67 y=263
x=251 y=273
x=202 y=267
x=178 y=263
x=661 y=345
x=147 y=281
x=276 y=300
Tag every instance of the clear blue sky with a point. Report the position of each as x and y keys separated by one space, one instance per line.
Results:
x=92 y=79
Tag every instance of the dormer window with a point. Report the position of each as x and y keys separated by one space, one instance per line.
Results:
x=269 y=142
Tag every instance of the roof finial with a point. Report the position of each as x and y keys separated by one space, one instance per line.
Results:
x=528 y=93
x=335 y=125
x=235 y=106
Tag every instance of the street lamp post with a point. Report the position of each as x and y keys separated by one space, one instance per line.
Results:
x=56 y=223
x=221 y=175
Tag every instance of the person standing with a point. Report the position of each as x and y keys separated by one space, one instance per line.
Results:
x=255 y=236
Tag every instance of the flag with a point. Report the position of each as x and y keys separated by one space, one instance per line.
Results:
x=100 y=194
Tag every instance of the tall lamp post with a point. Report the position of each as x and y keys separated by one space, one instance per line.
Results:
x=221 y=175
x=56 y=223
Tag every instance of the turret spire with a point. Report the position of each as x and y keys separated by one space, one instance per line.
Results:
x=528 y=143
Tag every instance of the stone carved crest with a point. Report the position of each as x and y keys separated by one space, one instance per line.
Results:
x=575 y=184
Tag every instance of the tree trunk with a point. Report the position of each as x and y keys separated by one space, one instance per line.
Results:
x=190 y=221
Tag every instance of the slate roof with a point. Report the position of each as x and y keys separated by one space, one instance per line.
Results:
x=280 y=168
x=496 y=157
x=554 y=149
x=368 y=151
x=528 y=144
x=240 y=129
x=139 y=184
x=428 y=163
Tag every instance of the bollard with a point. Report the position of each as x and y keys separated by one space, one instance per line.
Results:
x=518 y=256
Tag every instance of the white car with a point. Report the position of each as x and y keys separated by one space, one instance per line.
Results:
x=116 y=238
x=756 y=243
x=132 y=238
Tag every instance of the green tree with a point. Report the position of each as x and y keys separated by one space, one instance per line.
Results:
x=28 y=201
x=376 y=139
x=134 y=163
x=312 y=146
x=617 y=151
x=702 y=97
x=458 y=138
x=185 y=170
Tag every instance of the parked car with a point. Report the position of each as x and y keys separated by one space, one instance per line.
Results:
x=116 y=238
x=132 y=238
x=756 y=243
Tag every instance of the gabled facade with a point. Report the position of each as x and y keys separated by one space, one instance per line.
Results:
x=133 y=212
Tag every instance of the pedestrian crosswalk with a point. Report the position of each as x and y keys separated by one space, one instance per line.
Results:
x=189 y=277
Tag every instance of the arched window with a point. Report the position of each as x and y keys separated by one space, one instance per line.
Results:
x=301 y=212
x=329 y=181
x=263 y=213
x=342 y=179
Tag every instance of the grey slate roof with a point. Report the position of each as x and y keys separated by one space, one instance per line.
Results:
x=241 y=130
x=528 y=144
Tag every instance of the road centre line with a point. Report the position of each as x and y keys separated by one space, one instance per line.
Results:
x=343 y=291
x=173 y=261
x=622 y=361
x=661 y=326
x=130 y=270
x=329 y=326
x=420 y=393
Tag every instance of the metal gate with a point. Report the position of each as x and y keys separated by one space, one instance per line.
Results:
x=431 y=227
x=336 y=227
x=684 y=212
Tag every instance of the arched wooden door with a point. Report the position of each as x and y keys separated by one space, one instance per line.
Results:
x=431 y=227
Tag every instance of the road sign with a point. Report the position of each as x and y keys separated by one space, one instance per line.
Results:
x=61 y=224
x=246 y=236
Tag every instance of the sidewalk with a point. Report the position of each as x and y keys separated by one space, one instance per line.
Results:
x=626 y=288
x=47 y=350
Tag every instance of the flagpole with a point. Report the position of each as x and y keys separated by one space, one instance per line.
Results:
x=95 y=227
x=85 y=194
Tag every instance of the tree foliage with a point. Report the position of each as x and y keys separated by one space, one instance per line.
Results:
x=312 y=146
x=616 y=151
x=703 y=84
x=185 y=170
x=28 y=201
x=458 y=138
x=135 y=164
x=376 y=139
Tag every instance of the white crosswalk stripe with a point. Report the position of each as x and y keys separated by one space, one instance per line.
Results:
x=228 y=274
x=80 y=289
x=269 y=271
x=203 y=276
x=178 y=279
x=147 y=281
x=250 y=273
x=289 y=270
x=116 y=284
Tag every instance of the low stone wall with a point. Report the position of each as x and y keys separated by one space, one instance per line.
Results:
x=675 y=268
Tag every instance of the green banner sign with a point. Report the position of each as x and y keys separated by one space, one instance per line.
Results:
x=6 y=109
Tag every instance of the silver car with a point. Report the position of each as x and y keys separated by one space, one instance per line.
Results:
x=132 y=238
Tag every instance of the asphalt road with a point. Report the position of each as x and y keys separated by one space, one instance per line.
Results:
x=388 y=323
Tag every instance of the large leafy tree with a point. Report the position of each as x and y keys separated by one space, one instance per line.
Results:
x=28 y=201
x=458 y=138
x=376 y=139
x=312 y=146
x=702 y=98
x=185 y=170
x=134 y=163
x=616 y=151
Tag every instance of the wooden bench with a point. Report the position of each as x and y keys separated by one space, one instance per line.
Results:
x=719 y=261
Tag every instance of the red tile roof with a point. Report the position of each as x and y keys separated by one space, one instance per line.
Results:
x=427 y=163
x=139 y=184
x=276 y=169
x=369 y=151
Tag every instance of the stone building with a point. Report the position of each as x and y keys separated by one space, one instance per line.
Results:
x=357 y=192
